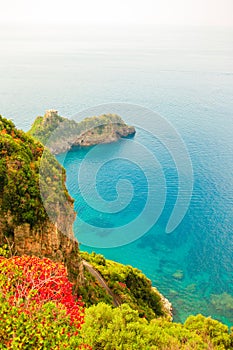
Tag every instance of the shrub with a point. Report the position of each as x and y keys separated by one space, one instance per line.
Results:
x=37 y=308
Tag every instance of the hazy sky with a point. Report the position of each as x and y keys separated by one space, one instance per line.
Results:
x=167 y=12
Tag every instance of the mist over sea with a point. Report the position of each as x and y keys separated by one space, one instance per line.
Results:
x=185 y=75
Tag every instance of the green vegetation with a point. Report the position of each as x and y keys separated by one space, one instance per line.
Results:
x=43 y=128
x=20 y=195
x=55 y=129
x=121 y=328
x=210 y=330
x=47 y=328
x=139 y=322
x=129 y=284
x=92 y=293
x=19 y=175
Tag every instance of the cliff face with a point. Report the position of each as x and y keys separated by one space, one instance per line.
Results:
x=43 y=241
x=24 y=223
x=60 y=134
x=107 y=134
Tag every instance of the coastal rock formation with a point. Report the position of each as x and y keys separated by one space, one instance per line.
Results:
x=59 y=134
x=24 y=224
x=44 y=241
x=167 y=305
x=109 y=133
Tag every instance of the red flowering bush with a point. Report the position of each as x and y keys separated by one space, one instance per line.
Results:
x=38 y=290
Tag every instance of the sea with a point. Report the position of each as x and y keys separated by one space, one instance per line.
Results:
x=184 y=75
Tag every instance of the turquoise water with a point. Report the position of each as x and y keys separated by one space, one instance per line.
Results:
x=201 y=247
x=187 y=77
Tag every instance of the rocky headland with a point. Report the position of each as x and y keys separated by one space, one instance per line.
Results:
x=59 y=134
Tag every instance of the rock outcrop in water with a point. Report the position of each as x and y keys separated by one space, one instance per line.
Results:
x=59 y=134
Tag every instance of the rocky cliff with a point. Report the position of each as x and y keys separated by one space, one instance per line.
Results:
x=24 y=224
x=60 y=134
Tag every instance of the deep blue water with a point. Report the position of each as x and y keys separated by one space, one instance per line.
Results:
x=185 y=76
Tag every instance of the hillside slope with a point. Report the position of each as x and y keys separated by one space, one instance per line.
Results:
x=125 y=285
